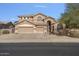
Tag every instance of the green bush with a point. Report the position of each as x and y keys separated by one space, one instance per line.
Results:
x=5 y=32
x=0 y=31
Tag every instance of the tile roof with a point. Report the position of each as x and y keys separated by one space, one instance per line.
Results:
x=36 y=23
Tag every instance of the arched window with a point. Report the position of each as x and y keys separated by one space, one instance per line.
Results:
x=39 y=18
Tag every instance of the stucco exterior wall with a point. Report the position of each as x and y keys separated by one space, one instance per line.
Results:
x=49 y=19
x=28 y=27
x=35 y=18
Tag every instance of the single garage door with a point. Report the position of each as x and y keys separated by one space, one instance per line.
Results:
x=25 y=30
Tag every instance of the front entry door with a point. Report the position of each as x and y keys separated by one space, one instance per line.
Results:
x=49 y=26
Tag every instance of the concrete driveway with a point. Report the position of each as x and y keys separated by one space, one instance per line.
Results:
x=18 y=38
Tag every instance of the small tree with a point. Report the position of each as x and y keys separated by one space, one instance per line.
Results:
x=10 y=24
x=71 y=16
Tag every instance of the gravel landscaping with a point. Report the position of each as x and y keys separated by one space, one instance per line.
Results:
x=18 y=38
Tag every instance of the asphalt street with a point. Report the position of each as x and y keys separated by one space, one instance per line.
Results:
x=39 y=49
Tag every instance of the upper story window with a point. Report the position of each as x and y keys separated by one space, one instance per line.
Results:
x=39 y=18
x=26 y=18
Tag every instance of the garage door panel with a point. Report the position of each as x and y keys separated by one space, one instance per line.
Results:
x=39 y=29
x=25 y=29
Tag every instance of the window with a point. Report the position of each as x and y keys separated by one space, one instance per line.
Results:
x=39 y=18
x=26 y=18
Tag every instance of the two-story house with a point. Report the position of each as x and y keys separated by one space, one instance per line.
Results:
x=38 y=23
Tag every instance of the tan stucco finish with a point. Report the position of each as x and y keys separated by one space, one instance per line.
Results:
x=32 y=24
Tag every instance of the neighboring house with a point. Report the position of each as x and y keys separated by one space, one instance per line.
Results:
x=4 y=27
x=38 y=23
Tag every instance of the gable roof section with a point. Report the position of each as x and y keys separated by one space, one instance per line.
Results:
x=32 y=15
x=40 y=14
x=26 y=15
x=34 y=23
x=23 y=21
x=50 y=18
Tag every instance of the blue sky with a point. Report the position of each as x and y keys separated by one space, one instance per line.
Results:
x=10 y=11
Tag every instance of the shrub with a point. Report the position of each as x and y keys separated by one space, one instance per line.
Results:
x=5 y=32
x=74 y=34
x=0 y=31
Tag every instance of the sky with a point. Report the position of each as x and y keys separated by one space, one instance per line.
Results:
x=10 y=11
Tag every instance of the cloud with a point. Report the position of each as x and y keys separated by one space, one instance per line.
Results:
x=41 y=6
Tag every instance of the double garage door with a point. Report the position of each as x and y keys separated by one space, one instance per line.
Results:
x=25 y=30
x=30 y=30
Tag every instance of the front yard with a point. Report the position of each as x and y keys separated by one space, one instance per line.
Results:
x=18 y=38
